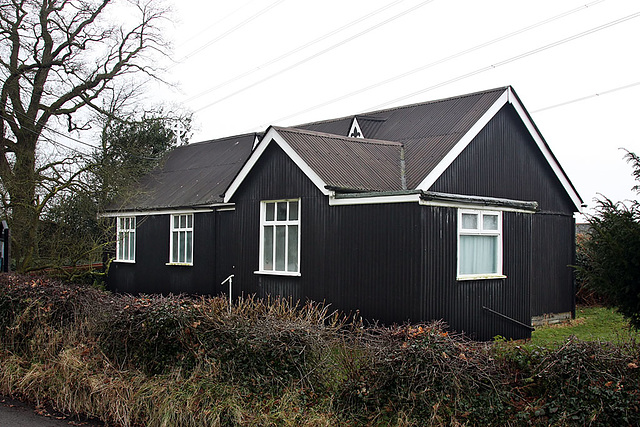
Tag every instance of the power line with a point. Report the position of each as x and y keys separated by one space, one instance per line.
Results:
x=322 y=52
x=584 y=98
x=296 y=50
x=232 y=30
x=438 y=62
x=216 y=23
x=507 y=61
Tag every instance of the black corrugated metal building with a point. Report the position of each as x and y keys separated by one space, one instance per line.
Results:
x=453 y=209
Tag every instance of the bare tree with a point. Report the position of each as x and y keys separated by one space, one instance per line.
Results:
x=57 y=59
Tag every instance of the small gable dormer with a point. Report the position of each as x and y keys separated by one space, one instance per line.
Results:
x=355 y=131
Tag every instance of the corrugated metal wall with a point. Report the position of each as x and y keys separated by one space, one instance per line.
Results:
x=392 y=262
x=150 y=274
x=553 y=287
x=460 y=302
x=503 y=161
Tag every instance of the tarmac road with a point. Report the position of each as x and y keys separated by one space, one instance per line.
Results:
x=17 y=414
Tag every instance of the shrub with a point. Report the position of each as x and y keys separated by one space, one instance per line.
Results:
x=175 y=360
x=610 y=263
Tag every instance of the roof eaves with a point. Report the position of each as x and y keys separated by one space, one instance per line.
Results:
x=429 y=196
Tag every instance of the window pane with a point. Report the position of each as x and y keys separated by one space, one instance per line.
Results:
x=189 y=246
x=120 y=245
x=270 y=209
x=490 y=222
x=282 y=211
x=176 y=221
x=478 y=254
x=181 y=246
x=280 y=247
x=292 y=249
x=293 y=211
x=189 y=221
x=125 y=243
x=174 y=251
x=469 y=221
x=183 y=221
x=132 y=246
x=268 y=248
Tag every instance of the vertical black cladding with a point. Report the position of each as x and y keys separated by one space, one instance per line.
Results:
x=460 y=302
x=150 y=272
x=504 y=161
x=552 y=289
x=390 y=262
x=364 y=258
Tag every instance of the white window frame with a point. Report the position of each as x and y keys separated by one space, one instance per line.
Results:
x=271 y=224
x=480 y=231
x=126 y=238
x=175 y=232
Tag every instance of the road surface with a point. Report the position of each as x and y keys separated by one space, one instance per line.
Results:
x=17 y=414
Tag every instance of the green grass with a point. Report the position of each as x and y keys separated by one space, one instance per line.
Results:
x=590 y=324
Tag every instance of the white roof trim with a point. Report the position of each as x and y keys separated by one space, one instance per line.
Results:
x=157 y=212
x=355 y=126
x=463 y=143
x=507 y=97
x=474 y=205
x=416 y=198
x=273 y=136
x=256 y=141
x=400 y=198
x=545 y=151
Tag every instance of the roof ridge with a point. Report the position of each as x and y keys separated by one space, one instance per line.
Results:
x=341 y=137
x=400 y=107
x=218 y=140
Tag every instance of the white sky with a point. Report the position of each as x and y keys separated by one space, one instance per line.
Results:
x=243 y=65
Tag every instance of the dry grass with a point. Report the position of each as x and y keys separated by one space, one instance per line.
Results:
x=176 y=361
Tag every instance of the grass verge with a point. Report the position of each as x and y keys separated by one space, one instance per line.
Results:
x=590 y=324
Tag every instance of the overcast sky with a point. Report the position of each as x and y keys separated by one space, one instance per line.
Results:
x=244 y=65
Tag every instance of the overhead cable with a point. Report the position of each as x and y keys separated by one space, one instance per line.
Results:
x=322 y=52
x=507 y=61
x=438 y=62
x=296 y=50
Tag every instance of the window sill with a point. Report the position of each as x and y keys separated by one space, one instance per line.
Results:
x=277 y=273
x=124 y=261
x=481 y=277
x=180 y=264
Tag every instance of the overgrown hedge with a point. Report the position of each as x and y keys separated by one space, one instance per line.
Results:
x=172 y=361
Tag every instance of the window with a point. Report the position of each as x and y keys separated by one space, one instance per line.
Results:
x=280 y=237
x=126 y=244
x=479 y=244
x=181 y=239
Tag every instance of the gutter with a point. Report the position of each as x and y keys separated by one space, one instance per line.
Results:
x=165 y=211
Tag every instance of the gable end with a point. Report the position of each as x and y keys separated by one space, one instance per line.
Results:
x=508 y=97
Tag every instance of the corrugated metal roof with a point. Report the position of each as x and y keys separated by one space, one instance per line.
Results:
x=350 y=163
x=192 y=175
x=428 y=130
x=198 y=174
